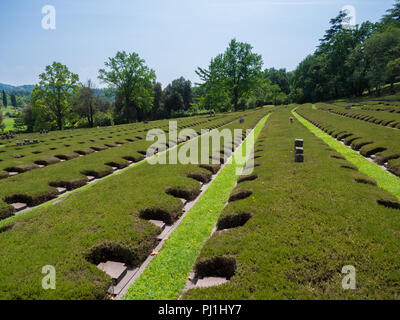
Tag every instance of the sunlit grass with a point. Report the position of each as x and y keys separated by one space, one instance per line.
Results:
x=166 y=275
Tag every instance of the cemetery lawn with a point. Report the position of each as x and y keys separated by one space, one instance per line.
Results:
x=166 y=275
x=308 y=221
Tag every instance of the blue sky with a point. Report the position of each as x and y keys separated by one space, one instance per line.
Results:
x=173 y=36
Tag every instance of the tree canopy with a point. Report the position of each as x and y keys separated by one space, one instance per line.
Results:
x=51 y=97
x=131 y=80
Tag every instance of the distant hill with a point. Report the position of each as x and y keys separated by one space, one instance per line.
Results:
x=27 y=89
x=23 y=90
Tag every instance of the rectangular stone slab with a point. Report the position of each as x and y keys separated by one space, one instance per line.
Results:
x=61 y=190
x=19 y=206
x=299 y=150
x=299 y=158
x=116 y=270
x=90 y=178
x=210 y=282
x=298 y=143
x=116 y=290
x=158 y=223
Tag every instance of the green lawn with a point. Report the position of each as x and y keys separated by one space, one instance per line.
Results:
x=166 y=275
x=308 y=221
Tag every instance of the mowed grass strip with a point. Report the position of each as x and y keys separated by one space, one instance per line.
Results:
x=307 y=221
x=166 y=275
x=374 y=141
x=384 y=179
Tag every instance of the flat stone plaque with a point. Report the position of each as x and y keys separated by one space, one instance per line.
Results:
x=210 y=282
x=298 y=143
x=19 y=206
x=158 y=223
x=61 y=190
x=116 y=270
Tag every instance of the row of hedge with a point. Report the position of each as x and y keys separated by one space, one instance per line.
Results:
x=299 y=225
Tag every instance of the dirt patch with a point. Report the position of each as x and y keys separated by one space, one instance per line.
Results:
x=99 y=148
x=97 y=173
x=29 y=200
x=6 y=228
x=67 y=156
x=115 y=251
x=22 y=168
x=47 y=161
x=133 y=158
x=84 y=152
x=68 y=184
x=160 y=214
x=373 y=151
x=349 y=167
x=116 y=164
x=233 y=221
x=216 y=267
x=240 y=195
x=389 y=204
x=201 y=177
x=338 y=157
x=214 y=168
x=247 y=178
x=358 y=145
x=182 y=193
x=366 y=181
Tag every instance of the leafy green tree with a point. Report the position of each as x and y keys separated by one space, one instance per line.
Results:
x=393 y=72
x=279 y=77
x=51 y=97
x=178 y=95
x=235 y=72
x=380 y=49
x=157 y=112
x=4 y=99
x=392 y=16
x=132 y=81
x=2 y=126
x=13 y=100
x=19 y=123
x=85 y=103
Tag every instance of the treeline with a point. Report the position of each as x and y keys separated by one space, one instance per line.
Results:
x=351 y=61
x=347 y=62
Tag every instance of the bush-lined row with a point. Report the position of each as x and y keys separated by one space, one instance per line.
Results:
x=295 y=225
x=379 y=143
x=37 y=186
x=105 y=222
x=381 y=118
x=28 y=157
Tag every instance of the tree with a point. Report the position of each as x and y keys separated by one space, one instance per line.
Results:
x=278 y=77
x=19 y=123
x=178 y=95
x=2 y=126
x=54 y=91
x=132 y=81
x=392 y=16
x=13 y=100
x=380 y=49
x=85 y=103
x=236 y=72
x=157 y=112
x=4 y=99
x=393 y=72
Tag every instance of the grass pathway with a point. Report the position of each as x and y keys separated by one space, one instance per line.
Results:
x=166 y=275
x=384 y=179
